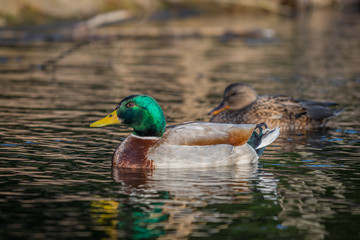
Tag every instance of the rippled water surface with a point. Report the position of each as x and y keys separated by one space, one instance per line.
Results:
x=55 y=174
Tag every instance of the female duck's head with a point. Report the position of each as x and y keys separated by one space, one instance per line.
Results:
x=236 y=96
x=141 y=112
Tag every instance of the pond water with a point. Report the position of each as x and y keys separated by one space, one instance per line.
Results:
x=55 y=173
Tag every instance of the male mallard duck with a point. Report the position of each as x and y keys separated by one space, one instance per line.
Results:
x=241 y=104
x=193 y=144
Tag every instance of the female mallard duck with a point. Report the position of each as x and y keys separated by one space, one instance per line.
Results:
x=241 y=104
x=193 y=144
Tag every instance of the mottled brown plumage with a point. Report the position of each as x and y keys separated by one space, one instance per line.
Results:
x=241 y=104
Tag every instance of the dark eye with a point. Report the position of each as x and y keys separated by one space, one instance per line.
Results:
x=130 y=104
x=235 y=93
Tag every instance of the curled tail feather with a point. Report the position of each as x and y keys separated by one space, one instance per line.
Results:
x=259 y=140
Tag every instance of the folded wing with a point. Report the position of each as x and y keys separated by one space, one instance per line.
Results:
x=203 y=133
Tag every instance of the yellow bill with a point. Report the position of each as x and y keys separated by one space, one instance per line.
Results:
x=112 y=118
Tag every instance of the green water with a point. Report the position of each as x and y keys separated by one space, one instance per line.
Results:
x=56 y=180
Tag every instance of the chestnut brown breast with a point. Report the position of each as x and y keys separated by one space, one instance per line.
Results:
x=132 y=153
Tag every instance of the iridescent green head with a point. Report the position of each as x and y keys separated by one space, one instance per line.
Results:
x=141 y=112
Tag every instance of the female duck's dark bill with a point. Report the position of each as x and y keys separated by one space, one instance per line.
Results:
x=112 y=118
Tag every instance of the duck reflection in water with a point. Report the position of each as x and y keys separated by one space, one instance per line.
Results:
x=174 y=201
